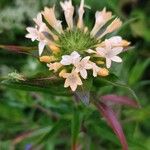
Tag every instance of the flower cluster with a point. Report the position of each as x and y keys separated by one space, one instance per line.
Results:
x=76 y=51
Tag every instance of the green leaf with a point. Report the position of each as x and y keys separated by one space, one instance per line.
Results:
x=46 y=85
x=138 y=71
x=6 y=145
x=57 y=127
x=75 y=127
x=113 y=80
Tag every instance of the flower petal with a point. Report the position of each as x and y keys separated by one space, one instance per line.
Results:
x=49 y=15
x=68 y=11
x=90 y=51
x=83 y=73
x=66 y=60
x=80 y=23
x=102 y=17
x=41 y=47
x=116 y=51
x=116 y=59
x=108 y=62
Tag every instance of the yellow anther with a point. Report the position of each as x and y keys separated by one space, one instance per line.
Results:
x=103 y=72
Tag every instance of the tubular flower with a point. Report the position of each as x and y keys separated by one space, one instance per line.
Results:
x=68 y=11
x=77 y=51
x=72 y=80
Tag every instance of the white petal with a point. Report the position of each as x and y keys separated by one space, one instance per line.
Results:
x=66 y=83
x=116 y=59
x=38 y=19
x=79 y=81
x=83 y=74
x=102 y=17
x=116 y=50
x=68 y=11
x=115 y=40
x=41 y=47
x=101 y=51
x=33 y=33
x=49 y=15
x=80 y=13
x=75 y=54
x=108 y=45
x=73 y=87
x=90 y=51
x=86 y=59
x=108 y=63
x=66 y=60
x=88 y=66
x=75 y=57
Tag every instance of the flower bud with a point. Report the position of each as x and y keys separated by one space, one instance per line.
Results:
x=54 y=48
x=103 y=72
x=125 y=43
x=62 y=73
x=47 y=59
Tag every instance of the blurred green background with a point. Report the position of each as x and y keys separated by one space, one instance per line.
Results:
x=44 y=120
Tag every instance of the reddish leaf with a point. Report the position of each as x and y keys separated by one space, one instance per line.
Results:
x=123 y=100
x=18 y=49
x=112 y=121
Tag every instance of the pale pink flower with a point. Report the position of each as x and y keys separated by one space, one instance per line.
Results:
x=70 y=59
x=82 y=66
x=110 y=53
x=72 y=80
x=115 y=25
x=102 y=17
x=54 y=66
x=81 y=11
x=49 y=15
x=68 y=11
x=95 y=69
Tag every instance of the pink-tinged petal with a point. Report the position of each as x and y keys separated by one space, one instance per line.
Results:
x=116 y=59
x=122 y=100
x=41 y=47
x=108 y=45
x=108 y=62
x=67 y=83
x=112 y=121
x=85 y=59
x=75 y=54
x=90 y=51
x=83 y=74
x=88 y=66
x=66 y=60
x=117 y=50
x=32 y=33
x=73 y=87
x=101 y=51
x=38 y=20
x=115 y=40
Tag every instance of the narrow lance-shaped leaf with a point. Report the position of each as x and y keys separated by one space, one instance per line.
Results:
x=122 y=100
x=112 y=121
x=75 y=128
x=19 y=49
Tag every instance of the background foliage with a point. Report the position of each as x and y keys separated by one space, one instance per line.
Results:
x=49 y=119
